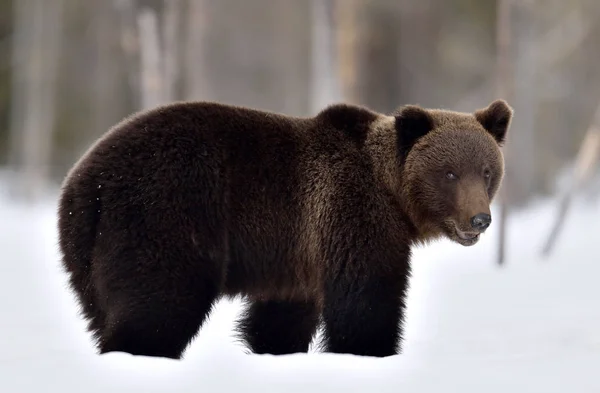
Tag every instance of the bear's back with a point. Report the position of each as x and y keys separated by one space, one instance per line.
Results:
x=246 y=184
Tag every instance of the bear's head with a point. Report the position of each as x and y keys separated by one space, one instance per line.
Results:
x=452 y=167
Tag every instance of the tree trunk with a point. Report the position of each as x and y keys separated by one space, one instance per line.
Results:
x=347 y=40
x=105 y=87
x=324 y=86
x=151 y=75
x=585 y=162
x=37 y=46
x=130 y=46
x=523 y=148
x=171 y=25
x=503 y=90
x=198 y=86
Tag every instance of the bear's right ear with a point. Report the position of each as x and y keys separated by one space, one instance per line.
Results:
x=412 y=122
x=495 y=119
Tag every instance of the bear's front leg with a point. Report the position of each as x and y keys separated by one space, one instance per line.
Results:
x=363 y=315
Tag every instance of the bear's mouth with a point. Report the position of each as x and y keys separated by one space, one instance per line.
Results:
x=466 y=238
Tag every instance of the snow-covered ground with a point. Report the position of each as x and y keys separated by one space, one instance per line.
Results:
x=531 y=326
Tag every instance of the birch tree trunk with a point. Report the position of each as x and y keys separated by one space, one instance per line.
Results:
x=198 y=86
x=151 y=75
x=21 y=47
x=585 y=162
x=503 y=83
x=37 y=44
x=130 y=46
x=347 y=41
x=324 y=86
x=105 y=87
x=523 y=148
x=171 y=38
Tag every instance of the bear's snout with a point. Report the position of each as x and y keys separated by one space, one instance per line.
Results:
x=480 y=222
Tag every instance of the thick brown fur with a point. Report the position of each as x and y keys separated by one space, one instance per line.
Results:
x=310 y=219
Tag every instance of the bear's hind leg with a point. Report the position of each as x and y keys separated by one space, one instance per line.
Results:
x=156 y=328
x=279 y=327
x=161 y=323
x=158 y=310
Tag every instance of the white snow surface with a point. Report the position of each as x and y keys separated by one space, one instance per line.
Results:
x=530 y=326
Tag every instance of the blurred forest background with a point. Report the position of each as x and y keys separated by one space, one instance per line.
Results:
x=69 y=69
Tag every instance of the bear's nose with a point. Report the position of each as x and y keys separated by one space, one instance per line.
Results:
x=481 y=221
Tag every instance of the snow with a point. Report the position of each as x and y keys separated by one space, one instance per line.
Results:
x=531 y=326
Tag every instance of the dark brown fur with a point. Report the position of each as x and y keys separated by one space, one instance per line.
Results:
x=311 y=219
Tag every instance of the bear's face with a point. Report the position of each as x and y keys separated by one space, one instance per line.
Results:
x=452 y=168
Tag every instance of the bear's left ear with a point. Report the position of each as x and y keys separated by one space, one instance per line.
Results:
x=496 y=119
x=412 y=122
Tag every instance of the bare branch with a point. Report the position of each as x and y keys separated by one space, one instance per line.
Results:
x=587 y=156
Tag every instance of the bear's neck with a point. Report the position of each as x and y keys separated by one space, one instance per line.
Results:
x=381 y=144
x=387 y=166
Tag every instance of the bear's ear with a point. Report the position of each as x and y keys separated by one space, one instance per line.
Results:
x=412 y=122
x=496 y=119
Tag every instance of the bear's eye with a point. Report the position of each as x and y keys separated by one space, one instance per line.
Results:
x=487 y=174
x=451 y=175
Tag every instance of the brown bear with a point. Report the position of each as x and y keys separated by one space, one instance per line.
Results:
x=310 y=219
